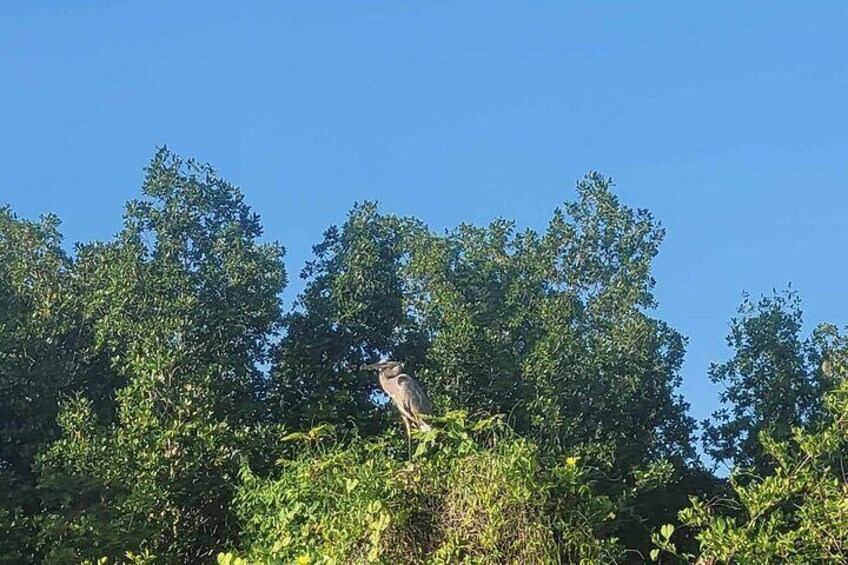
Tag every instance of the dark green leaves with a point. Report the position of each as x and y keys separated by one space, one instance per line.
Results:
x=773 y=382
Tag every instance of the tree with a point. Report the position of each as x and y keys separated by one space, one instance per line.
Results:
x=352 y=310
x=184 y=301
x=146 y=373
x=45 y=355
x=550 y=329
x=796 y=512
x=553 y=329
x=773 y=383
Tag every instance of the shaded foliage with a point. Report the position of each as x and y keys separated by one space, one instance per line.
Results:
x=773 y=382
x=46 y=354
x=352 y=310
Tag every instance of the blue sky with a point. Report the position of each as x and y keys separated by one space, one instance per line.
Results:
x=728 y=121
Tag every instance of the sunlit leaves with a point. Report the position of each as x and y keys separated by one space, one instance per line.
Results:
x=795 y=514
x=184 y=302
x=464 y=499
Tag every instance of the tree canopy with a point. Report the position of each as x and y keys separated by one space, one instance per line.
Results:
x=158 y=404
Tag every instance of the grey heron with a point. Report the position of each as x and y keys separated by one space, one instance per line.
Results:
x=406 y=394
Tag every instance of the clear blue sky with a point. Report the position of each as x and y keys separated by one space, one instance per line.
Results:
x=727 y=120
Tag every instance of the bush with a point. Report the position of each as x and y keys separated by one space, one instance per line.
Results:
x=797 y=514
x=473 y=494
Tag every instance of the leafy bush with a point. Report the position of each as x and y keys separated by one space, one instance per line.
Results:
x=472 y=494
x=796 y=514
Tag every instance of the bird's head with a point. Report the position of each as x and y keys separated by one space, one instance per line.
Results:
x=385 y=367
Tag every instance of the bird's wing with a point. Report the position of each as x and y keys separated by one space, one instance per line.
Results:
x=414 y=399
x=398 y=396
x=405 y=414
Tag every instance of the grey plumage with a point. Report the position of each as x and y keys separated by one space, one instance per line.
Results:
x=406 y=394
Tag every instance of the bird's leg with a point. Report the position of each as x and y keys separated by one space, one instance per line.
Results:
x=408 y=436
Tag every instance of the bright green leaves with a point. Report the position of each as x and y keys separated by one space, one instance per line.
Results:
x=663 y=542
x=230 y=559
x=796 y=513
x=478 y=494
x=184 y=302
x=316 y=434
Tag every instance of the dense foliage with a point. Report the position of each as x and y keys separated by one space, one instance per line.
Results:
x=774 y=382
x=474 y=494
x=798 y=513
x=157 y=405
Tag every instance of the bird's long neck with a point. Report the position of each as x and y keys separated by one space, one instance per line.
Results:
x=388 y=375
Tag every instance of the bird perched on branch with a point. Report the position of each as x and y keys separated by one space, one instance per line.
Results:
x=406 y=394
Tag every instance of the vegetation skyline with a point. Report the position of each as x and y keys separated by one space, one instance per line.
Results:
x=725 y=121
x=159 y=405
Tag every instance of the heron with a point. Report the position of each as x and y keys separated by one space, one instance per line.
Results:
x=406 y=394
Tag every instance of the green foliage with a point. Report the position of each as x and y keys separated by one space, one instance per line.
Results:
x=497 y=321
x=798 y=513
x=518 y=318
x=351 y=310
x=474 y=494
x=45 y=354
x=147 y=384
x=184 y=303
x=773 y=383
x=129 y=558
x=33 y=324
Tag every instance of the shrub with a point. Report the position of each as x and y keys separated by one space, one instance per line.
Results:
x=796 y=514
x=471 y=494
